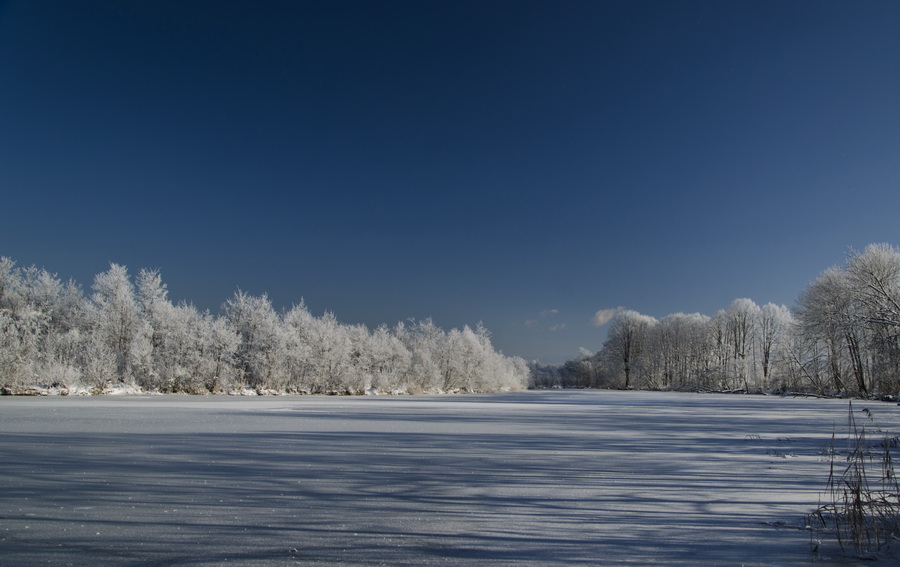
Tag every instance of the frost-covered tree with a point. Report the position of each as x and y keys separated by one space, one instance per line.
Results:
x=12 y=294
x=627 y=340
x=158 y=333
x=114 y=318
x=826 y=310
x=299 y=337
x=131 y=333
x=259 y=357
x=19 y=342
x=61 y=303
x=516 y=373
x=875 y=276
x=331 y=357
x=843 y=336
x=389 y=360
x=681 y=343
x=742 y=316
x=21 y=328
x=580 y=372
x=547 y=375
x=425 y=342
x=199 y=350
x=56 y=313
x=217 y=342
x=775 y=324
x=466 y=358
x=359 y=376
x=99 y=366
x=804 y=370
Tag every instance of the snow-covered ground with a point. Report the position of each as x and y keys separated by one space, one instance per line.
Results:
x=531 y=478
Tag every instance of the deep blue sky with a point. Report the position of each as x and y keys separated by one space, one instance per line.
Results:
x=521 y=163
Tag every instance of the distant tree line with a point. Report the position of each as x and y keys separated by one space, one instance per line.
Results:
x=128 y=332
x=841 y=338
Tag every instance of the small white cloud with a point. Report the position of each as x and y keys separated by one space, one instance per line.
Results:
x=549 y=312
x=531 y=323
x=559 y=327
x=604 y=316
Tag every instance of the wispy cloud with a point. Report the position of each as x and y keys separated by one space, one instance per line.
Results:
x=604 y=316
x=542 y=320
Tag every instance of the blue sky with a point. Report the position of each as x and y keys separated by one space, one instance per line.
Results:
x=525 y=164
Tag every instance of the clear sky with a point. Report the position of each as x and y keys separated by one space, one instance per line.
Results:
x=525 y=164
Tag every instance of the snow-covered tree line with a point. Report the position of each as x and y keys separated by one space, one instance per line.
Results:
x=842 y=337
x=127 y=331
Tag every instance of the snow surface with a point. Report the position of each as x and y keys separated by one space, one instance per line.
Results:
x=532 y=478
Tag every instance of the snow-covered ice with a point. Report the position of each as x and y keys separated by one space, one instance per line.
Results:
x=532 y=478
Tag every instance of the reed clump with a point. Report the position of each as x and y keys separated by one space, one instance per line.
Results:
x=862 y=508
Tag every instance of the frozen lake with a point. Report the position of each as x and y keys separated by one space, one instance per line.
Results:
x=531 y=478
